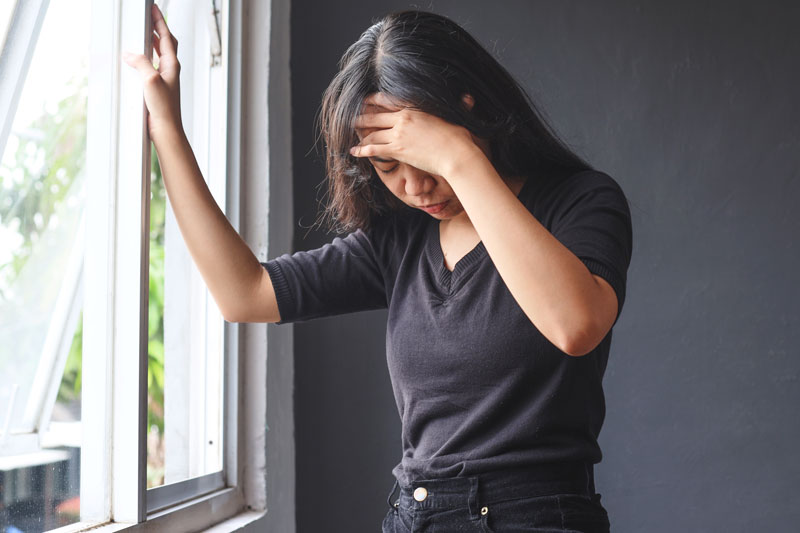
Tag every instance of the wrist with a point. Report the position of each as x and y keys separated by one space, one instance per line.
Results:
x=167 y=133
x=466 y=158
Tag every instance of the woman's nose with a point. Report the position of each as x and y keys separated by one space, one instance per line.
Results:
x=418 y=182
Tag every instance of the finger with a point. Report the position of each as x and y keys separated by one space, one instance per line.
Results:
x=372 y=108
x=377 y=137
x=160 y=25
x=363 y=132
x=140 y=63
x=167 y=47
x=373 y=148
x=365 y=151
x=383 y=100
x=157 y=45
x=375 y=120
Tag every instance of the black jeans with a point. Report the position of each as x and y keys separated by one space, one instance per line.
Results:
x=547 y=498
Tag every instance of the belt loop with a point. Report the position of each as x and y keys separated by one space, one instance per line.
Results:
x=391 y=493
x=473 y=497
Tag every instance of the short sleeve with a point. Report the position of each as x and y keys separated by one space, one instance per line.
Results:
x=592 y=219
x=340 y=277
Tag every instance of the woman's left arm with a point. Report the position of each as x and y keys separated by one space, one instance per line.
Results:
x=569 y=305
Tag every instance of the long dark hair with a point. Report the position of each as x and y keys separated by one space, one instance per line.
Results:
x=429 y=62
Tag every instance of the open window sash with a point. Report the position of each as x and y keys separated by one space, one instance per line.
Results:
x=25 y=417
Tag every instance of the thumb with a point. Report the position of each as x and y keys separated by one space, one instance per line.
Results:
x=140 y=63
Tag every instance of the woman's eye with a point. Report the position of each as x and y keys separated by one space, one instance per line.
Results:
x=390 y=170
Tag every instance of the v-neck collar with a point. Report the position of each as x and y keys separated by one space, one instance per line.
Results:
x=434 y=247
x=443 y=275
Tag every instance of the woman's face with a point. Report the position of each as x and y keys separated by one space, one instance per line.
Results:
x=413 y=186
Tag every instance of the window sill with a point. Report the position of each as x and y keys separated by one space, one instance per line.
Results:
x=201 y=514
x=240 y=522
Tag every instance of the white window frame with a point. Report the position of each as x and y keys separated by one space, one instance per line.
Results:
x=113 y=496
x=115 y=315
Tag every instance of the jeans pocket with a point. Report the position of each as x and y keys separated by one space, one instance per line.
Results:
x=583 y=513
x=521 y=514
x=386 y=525
x=556 y=512
x=398 y=520
x=394 y=523
x=486 y=526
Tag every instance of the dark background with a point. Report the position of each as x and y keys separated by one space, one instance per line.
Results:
x=693 y=108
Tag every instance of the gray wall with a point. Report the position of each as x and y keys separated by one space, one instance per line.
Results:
x=693 y=108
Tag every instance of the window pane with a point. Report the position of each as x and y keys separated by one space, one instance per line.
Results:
x=155 y=359
x=6 y=10
x=41 y=208
x=184 y=375
x=185 y=326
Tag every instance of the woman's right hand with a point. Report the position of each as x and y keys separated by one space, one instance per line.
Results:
x=161 y=86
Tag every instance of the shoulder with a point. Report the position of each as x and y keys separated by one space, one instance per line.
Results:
x=558 y=193
x=579 y=198
x=581 y=182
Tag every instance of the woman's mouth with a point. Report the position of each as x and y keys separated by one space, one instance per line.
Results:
x=434 y=208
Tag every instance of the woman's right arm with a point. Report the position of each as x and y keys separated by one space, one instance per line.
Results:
x=239 y=283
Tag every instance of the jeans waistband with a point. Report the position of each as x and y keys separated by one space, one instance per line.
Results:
x=491 y=487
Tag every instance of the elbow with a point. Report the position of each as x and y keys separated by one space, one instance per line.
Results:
x=577 y=349
x=235 y=314
x=232 y=317
x=580 y=340
x=241 y=315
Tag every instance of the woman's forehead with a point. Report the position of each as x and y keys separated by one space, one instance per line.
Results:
x=367 y=109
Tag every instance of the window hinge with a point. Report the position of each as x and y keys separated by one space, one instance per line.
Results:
x=213 y=35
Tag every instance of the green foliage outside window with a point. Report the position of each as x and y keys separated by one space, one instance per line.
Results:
x=51 y=152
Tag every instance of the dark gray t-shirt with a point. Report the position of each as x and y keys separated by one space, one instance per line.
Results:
x=477 y=386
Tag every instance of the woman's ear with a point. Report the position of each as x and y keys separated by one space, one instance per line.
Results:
x=468 y=100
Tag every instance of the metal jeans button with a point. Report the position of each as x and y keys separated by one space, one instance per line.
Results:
x=420 y=494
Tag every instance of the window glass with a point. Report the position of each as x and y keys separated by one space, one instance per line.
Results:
x=185 y=351
x=6 y=11
x=155 y=346
x=42 y=173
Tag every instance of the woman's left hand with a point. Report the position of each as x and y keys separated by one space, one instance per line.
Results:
x=419 y=139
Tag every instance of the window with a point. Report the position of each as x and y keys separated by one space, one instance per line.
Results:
x=119 y=379
x=185 y=328
x=42 y=211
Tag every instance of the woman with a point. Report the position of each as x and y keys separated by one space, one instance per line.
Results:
x=500 y=255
